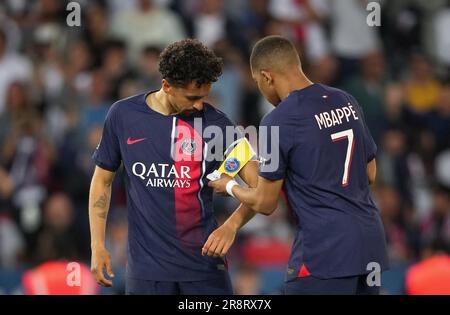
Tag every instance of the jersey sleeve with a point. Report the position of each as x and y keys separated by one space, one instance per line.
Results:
x=107 y=154
x=369 y=144
x=275 y=143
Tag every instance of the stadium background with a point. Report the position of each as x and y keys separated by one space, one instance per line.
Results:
x=57 y=83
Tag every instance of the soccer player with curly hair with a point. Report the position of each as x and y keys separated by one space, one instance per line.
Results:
x=165 y=159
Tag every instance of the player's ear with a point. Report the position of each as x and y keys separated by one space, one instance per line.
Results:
x=266 y=77
x=166 y=86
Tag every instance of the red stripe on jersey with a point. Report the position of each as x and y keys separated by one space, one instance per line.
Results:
x=188 y=212
x=303 y=273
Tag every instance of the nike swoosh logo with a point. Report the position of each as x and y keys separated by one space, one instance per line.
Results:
x=130 y=141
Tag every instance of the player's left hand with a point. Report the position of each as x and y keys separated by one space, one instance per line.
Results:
x=219 y=241
x=220 y=185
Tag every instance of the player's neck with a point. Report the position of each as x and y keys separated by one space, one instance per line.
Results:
x=294 y=82
x=161 y=103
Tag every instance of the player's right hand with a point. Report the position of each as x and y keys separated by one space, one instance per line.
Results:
x=100 y=261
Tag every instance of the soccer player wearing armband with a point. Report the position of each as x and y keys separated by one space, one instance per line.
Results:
x=326 y=163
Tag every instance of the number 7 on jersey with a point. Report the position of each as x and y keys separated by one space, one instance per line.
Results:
x=347 y=134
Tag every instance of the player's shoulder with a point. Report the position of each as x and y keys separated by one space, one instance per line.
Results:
x=214 y=115
x=279 y=116
x=323 y=91
x=297 y=106
x=334 y=91
x=125 y=105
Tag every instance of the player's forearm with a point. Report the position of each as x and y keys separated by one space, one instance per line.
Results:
x=244 y=213
x=250 y=197
x=240 y=217
x=99 y=199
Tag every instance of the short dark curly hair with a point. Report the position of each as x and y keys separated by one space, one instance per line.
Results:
x=189 y=60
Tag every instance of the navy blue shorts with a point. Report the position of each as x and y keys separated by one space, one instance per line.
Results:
x=339 y=286
x=216 y=286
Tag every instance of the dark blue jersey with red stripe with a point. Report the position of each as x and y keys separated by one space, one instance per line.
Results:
x=323 y=152
x=170 y=213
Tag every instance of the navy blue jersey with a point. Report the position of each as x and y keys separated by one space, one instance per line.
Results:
x=324 y=148
x=170 y=212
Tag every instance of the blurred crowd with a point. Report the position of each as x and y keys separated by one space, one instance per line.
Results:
x=57 y=83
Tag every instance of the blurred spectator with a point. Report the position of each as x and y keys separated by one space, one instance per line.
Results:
x=115 y=67
x=94 y=109
x=438 y=120
x=74 y=166
x=441 y=24
x=9 y=26
x=28 y=156
x=254 y=19
x=394 y=106
x=13 y=67
x=424 y=148
x=442 y=168
x=351 y=37
x=117 y=6
x=212 y=24
x=368 y=89
x=305 y=23
x=17 y=107
x=422 y=87
x=437 y=226
x=392 y=162
x=97 y=31
x=78 y=64
x=399 y=228
x=146 y=25
x=324 y=70
x=132 y=86
x=58 y=238
x=251 y=98
x=148 y=71
x=50 y=11
x=402 y=30
x=228 y=89
x=420 y=164
x=6 y=190
x=12 y=244
x=48 y=76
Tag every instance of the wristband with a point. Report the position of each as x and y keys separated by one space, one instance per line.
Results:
x=230 y=186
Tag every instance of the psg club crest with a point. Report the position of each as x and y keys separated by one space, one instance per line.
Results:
x=232 y=165
x=189 y=146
